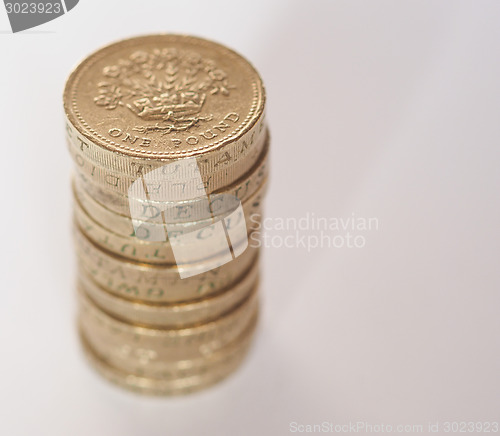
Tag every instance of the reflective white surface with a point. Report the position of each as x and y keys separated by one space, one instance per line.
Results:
x=382 y=109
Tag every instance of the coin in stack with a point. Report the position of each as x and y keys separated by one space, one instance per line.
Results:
x=159 y=98
x=171 y=315
x=116 y=233
x=181 y=377
x=158 y=283
x=113 y=202
x=101 y=328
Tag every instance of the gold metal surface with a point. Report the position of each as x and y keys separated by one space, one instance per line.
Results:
x=168 y=344
x=171 y=315
x=119 y=184
x=104 y=200
x=154 y=386
x=158 y=252
x=163 y=97
x=169 y=139
x=136 y=359
x=157 y=283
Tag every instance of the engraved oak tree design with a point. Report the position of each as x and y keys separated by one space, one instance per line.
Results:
x=166 y=88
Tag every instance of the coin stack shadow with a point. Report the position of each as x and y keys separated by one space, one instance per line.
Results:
x=173 y=314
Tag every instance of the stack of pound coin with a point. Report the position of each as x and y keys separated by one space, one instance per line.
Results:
x=171 y=154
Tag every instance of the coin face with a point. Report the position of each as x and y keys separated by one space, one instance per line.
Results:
x=164 y=96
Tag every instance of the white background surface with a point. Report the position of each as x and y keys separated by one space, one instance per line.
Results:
x=384 y=109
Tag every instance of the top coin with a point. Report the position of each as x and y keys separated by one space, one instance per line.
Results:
x=164 y=96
